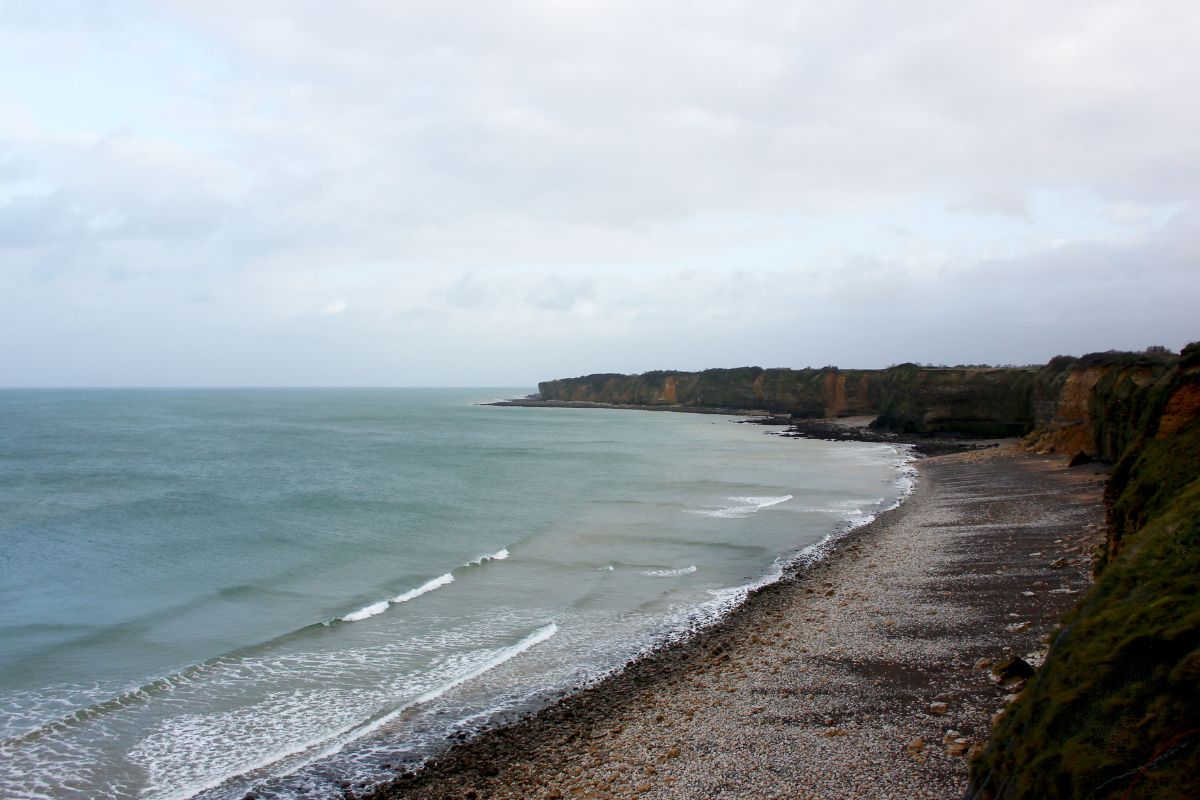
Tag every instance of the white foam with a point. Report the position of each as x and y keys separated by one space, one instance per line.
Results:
x=339 y=718
x=670 y=573
x=499 y=555
x=348 y=735
x=507 y=654
x=323 y=745
x=686 y=621
x=382 y=606
x=743 y=507
x=424 y=588
x=857 y=503
x=859 y=521
x=762 y=502
x=366 y=611
x=907 y=482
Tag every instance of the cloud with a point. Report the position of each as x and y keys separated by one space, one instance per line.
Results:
x=469 y=293
x=649 y=184
x=557 y=293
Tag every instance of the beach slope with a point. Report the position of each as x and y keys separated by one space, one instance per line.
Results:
x=867 y=674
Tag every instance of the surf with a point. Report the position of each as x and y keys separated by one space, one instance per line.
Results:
x=742 y=507
x=380 y=606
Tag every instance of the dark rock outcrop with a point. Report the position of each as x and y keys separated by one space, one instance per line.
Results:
x=1080 y=458
x=1012 y=671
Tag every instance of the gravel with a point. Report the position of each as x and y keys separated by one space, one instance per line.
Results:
x=866 y=675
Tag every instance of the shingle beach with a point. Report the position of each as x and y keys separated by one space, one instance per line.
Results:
x=865 y=675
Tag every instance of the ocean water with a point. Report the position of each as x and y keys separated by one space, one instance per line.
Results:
x=208 y=592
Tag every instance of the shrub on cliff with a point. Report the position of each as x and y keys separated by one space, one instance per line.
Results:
x=1115 y=710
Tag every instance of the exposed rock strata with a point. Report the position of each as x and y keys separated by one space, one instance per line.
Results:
x=907 y=398
x=1076 y=404
x=1115 y=710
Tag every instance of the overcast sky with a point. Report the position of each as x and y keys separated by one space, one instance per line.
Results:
x=286 y=192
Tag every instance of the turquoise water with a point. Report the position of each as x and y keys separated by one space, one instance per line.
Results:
x=204 y=592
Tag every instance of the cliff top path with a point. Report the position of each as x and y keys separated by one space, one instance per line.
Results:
x=866 y=675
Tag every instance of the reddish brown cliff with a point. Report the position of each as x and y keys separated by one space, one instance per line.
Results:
x=1071 y=404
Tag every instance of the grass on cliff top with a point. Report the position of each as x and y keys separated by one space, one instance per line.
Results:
x=1145 y=482
x=1115 y=710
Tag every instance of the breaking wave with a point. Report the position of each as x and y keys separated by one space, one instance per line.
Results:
x=670 y=573
x=382 y=605
x=742 y=507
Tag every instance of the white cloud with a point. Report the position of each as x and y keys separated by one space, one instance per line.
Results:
x=336 y=307
x=649 y=184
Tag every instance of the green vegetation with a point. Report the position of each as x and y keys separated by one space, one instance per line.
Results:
x=1115 y=710
x=907 y=398
x=1148 y=480
x=988 y=402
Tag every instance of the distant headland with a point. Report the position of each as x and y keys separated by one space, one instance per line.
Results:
x=1112 y=709
x=1067 y=397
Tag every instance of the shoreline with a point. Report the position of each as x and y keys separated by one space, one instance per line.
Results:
x=844 y=673
x=527 y=402
x=840 y=429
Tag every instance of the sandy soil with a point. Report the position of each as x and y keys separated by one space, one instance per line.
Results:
x=866 y=675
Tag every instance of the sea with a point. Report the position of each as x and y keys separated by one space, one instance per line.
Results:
x=210 y=593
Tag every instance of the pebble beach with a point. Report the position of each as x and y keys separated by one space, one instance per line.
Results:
x=868 y=673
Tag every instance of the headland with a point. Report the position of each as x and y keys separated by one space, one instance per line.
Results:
x=1022 y=626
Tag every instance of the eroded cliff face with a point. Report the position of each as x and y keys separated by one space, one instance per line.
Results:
x=1094 y=404
x=1060 y=408
x=963 y=401
x=1113 y=711
x=908 y=398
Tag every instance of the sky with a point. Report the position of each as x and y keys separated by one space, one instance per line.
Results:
x=381 y=193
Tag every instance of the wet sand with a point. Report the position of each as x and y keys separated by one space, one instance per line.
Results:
x=865 y=675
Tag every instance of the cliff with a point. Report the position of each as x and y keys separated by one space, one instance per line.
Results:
x=906 y=398
x=1093 y=404
x=1115 y=709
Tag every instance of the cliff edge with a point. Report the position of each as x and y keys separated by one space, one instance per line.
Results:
x=907 y=398
x=1088 y=404
x=1114 y=711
